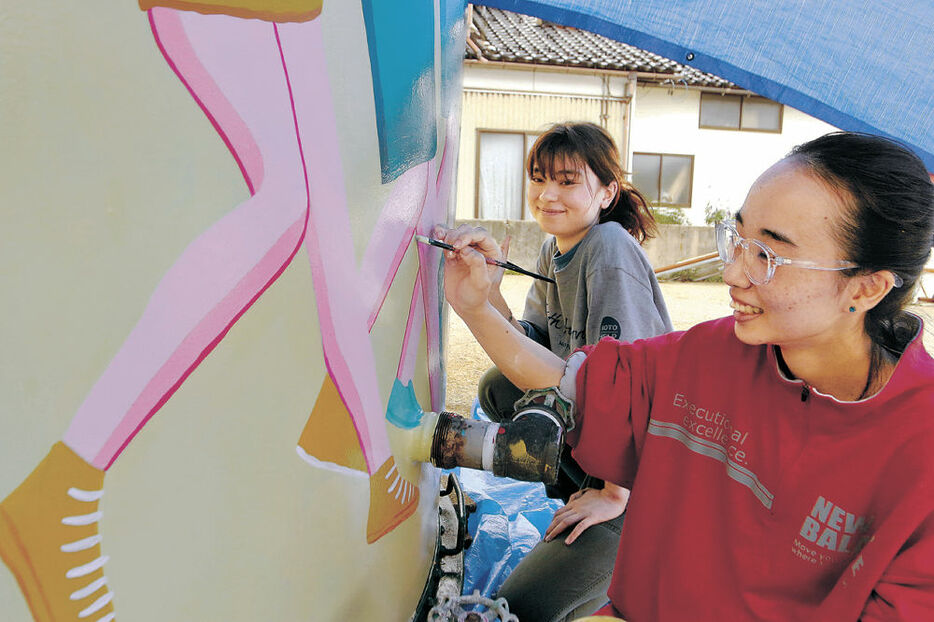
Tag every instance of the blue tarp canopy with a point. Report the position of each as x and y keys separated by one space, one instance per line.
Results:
x=861 y=65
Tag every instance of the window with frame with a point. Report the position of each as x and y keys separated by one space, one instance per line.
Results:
x=664 y=179
x=740 y=112
x=501 y=180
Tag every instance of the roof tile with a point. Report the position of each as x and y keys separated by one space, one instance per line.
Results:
x=506 y=36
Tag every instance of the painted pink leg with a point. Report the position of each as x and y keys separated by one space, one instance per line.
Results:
x=436 y=211
x=343 y=307
x=348 y=299
x=49 y=525
x=226 y=268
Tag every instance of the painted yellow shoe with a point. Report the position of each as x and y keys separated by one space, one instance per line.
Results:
x=392 y=500
x=49 y=540
x=329 y=440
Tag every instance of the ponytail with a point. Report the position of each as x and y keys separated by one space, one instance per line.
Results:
x=630 y=209
x=889 y=224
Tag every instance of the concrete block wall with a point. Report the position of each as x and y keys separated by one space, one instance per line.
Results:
x=677 y=242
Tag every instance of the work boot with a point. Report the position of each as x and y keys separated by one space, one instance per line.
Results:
x=49 y=539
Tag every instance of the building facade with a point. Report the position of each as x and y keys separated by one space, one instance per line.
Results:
x=693 y=142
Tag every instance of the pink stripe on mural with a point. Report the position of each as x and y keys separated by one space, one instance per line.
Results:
x=412 y=337
x=329 y=242
x=269 y=204
x=343 y=309
x=200 y=342
x=392 y=236
x=435 y=211
x=429 y=259
x=167 y=26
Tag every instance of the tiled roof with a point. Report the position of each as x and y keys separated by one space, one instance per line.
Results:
x=504 y=36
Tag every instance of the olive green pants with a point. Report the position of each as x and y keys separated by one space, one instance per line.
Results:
x=555 y=582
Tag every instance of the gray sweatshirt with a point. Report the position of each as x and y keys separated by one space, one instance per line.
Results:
x=605 y=287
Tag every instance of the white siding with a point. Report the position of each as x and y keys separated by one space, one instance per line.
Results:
x=725 y=162
x=665 y=120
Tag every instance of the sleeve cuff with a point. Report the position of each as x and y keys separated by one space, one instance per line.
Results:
x=568 y=384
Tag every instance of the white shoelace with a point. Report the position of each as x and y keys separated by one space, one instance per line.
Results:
x=88 y=496
x=406 y=489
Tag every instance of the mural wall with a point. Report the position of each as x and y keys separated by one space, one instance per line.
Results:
x=215 y=312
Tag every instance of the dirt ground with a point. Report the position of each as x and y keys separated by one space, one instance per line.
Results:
x=688 y=304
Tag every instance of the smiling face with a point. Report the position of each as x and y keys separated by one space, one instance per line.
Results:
x=795 y=214
x=566 y=203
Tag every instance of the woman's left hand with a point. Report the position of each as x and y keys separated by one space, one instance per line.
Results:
x=585 y=508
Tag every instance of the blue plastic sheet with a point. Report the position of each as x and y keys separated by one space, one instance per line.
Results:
x=511 y=518
x=860 y=65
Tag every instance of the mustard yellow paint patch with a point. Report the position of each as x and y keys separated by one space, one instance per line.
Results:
x=392 y=500
x=329 y=434
x=268 y=10
x=46 y=532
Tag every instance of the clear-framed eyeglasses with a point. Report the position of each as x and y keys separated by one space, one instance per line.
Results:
x=759 y=261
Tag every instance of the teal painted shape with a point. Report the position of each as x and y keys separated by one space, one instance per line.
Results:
x=400 y=36
x=403 y=410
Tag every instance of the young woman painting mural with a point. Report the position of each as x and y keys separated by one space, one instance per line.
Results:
x=779 y=459
x=259 y=72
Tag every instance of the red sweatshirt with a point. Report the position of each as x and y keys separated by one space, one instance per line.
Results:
x=756 y=497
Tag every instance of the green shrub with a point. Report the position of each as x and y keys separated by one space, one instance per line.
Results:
x=713 y=215
x=669 y=216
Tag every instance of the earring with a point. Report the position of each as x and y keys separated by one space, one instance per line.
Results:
x=852 y=309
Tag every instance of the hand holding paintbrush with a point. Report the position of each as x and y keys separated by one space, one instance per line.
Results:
x=494 y=262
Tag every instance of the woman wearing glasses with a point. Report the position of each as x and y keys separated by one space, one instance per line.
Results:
x=780 y=460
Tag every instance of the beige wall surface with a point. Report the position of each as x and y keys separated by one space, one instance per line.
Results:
x=108 y=171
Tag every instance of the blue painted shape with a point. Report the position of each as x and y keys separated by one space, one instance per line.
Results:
x=403 y=410
x=400 y=36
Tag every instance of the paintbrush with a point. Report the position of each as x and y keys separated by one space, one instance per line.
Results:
x=495 y=262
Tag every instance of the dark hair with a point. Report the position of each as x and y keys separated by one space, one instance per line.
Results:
x=590 y=144
x=890 y=223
